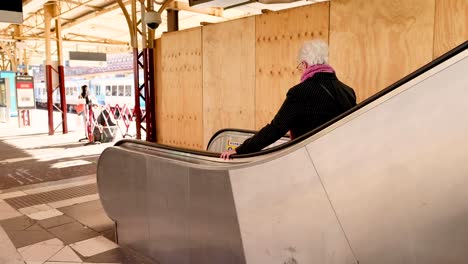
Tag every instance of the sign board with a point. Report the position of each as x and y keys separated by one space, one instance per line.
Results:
x=197 y=2
x=11 y=11
x=86 y=59
x=230 y=144
x=25 y=92
x=88 y=56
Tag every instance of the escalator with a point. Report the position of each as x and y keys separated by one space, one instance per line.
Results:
x=384 y=182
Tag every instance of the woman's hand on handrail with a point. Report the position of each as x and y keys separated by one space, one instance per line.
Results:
x=227 y=154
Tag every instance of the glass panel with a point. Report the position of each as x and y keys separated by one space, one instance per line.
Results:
x=121 y=90
x=108 y=90
x=114 y=90
x=128 y=90
x=3 y=94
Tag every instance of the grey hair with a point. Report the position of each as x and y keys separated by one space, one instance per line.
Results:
x=313 y=52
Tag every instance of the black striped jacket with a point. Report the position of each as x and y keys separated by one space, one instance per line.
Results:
x=307 y=106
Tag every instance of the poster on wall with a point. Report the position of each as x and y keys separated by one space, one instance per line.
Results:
x=25 y=92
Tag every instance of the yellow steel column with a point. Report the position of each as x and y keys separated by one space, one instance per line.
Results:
x=61 y=74
x=48 y=66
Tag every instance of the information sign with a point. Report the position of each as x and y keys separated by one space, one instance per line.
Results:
x=25 y=92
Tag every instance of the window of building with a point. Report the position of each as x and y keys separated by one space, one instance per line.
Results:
x=128 y=90
x=121 y=90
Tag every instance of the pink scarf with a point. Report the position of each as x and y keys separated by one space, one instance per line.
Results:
x=313 y=69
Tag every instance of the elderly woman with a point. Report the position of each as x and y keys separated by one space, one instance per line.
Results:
x=318 y=98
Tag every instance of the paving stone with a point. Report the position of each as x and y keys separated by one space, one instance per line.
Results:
x=119 y=255
x=72 y=201
x=11 y=195
x=93 y=246
x=72 y=232
x=6 y=211
x=22 y=238
x=110 y=234
x=55 y=221
x=90 y=214
x=17 y=223
x=23 y=231
x=8 y=252
x=60 y=262
x=66 y=254
x=41 y=251
x=45 y=214
x=34 y=227
x=34 y=209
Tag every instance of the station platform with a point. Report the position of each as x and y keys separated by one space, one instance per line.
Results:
x=50 y=210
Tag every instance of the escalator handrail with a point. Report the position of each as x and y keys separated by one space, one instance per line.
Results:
x=240 y=130
x=460 y=48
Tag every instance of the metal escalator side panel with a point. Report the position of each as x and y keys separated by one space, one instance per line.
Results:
x=169 y=212
x=397 y=174
x=284 y=214
x=119 y=176
x=214 y=229
x=122 y=185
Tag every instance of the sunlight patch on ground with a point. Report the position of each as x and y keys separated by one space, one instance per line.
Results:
x=72 y=163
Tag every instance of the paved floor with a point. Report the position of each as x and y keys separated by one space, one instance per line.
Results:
x=73 y=230
x=50 y=210
x=29 y=155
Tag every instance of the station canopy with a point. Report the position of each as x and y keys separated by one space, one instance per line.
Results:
x=100 y=25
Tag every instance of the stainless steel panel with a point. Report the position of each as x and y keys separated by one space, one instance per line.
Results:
x=168 y=212
x=397 y=174
x=284 y=214
x=123 y=194
x=214 y=230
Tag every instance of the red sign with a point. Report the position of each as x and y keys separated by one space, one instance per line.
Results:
x=24 y=85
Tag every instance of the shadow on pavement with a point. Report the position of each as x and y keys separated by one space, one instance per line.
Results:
x=18 y=168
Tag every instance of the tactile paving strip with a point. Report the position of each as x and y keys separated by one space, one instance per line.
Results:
x=52 y=196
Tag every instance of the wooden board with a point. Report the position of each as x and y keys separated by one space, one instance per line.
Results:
x=180 y=121
x=375 y=43
x=451 y=25
x=228 y=76
x=279 y=35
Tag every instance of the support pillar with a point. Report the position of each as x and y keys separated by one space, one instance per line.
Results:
x=51 y=9
x=137 y=109
x=172 y=20
x=149 y=94
x=18 y=55
x=61 y=74
x=26 y=62
x=48 y=70
x=144 y=61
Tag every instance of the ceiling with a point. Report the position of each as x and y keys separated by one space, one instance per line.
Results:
x=100 y=25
